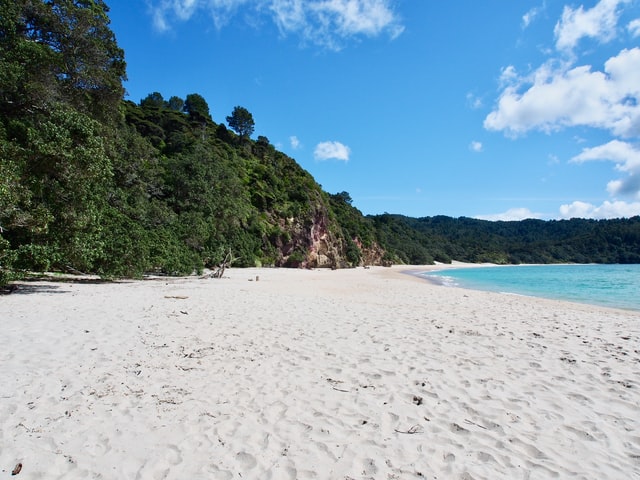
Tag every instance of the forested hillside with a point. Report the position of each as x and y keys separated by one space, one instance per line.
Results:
x=92 y=183
x=425 y=240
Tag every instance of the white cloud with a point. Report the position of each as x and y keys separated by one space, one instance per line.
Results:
x=475 y=146
x=577 y=209
x=513 y=214
x=555 y=96
x=625 y=155
x=627 y=186
x=473 y=101
x=616 y=209
x=627 y=159
x=561 y=94
x=295 y=143
x=598 y=23
x=553 y=159
x=332 y=150
x=531 y=15
x=508 y=76
x=327 y=23
x=634 y=27
x=166 y=12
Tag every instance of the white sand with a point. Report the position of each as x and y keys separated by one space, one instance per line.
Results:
x=354 y=374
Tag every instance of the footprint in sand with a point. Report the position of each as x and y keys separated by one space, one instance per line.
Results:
x=174 y=457
x=247 y=460
x=96 y=445
x=369 y=467
x=580 y=433
x=580 y=398
x=529 y=449
x=486 y=457
x=455 y=428
x=449 y=457
x=219 y=474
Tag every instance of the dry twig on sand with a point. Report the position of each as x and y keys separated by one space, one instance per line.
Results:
x=412 y=431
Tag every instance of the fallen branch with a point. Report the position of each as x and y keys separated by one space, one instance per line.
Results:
x=225 y=264
x=412 y=431
x=186 y=369
x=474 y=423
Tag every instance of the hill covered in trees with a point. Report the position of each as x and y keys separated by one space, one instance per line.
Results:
x=425 y=240
x=90 y=182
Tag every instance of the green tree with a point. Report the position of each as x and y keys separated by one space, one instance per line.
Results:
x=153 y=100
x=175 y=103
x=196 y=106
x=241 y=121
x=60 y=50
x=61 y=75
x=27 y=67
x=343 y=197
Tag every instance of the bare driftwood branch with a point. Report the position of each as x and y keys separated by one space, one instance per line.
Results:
x=412 y=431
x=474 y=423
x=226 y=263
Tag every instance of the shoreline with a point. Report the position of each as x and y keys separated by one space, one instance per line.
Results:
x=363 y=373
x=496 y=287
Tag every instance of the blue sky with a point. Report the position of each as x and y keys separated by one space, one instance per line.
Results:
x=493 y=109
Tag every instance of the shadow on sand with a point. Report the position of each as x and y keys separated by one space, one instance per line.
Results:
x=47 y=285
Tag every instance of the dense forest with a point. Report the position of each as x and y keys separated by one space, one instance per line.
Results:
x=443 y=239
x=93 y=183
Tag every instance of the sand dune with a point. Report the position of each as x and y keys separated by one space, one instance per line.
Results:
x=353 y=374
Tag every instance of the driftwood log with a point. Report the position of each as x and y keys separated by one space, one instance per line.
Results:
x=226 y=263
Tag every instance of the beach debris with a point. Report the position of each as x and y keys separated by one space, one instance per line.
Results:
x=336 y=382
x=417 y=400
x=179 y=297
x=469 y=422
x=17 y=469
x=411 y=431
x=226 y=263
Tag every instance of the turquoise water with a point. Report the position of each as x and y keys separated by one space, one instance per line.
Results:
x=615 y=286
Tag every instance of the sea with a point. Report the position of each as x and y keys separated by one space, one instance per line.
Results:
x=616 y=286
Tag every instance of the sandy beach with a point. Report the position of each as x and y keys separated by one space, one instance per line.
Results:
x=296 y=374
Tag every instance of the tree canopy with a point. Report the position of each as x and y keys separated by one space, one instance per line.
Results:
x=60 y=50
x=241 y=121
x=197 y=107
